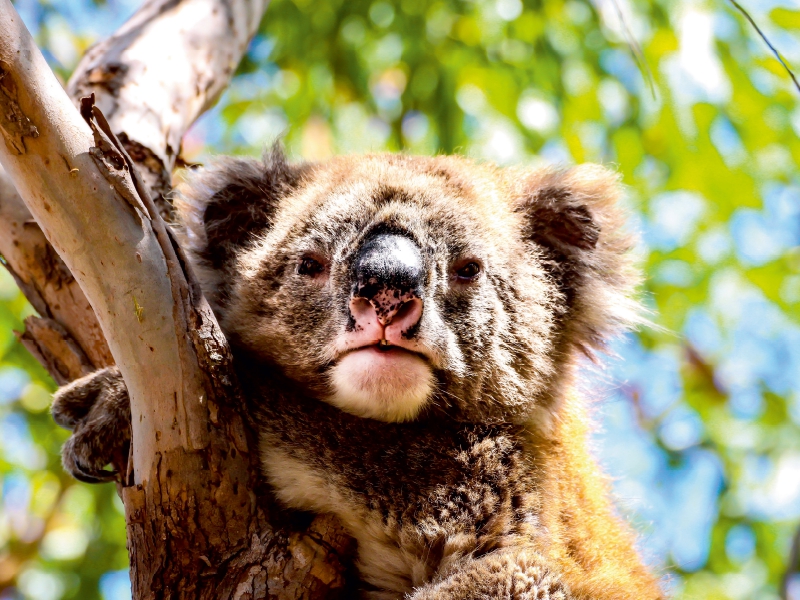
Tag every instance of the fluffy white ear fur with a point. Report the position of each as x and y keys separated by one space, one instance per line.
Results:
x=389 y=387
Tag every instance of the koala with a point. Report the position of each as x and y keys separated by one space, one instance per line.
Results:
x=407 y=332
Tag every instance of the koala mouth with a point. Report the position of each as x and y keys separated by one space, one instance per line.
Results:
x=381 y=380
x=386 y=347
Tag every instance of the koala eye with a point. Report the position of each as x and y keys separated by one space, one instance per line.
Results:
x=468 y=271
x=310 y=266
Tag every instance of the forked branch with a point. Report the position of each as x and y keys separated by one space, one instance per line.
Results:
x=190 y=509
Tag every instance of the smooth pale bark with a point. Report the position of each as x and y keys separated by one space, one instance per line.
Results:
x=151 y=79
x=79 y=345
x=192 y=505
x=87 y=209
x=161 y=70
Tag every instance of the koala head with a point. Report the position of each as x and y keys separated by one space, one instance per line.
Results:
x=394 y=286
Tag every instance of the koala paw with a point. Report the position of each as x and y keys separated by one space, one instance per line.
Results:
x=97 y=410
x=511 y=574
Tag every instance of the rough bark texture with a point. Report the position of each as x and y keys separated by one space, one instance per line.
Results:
x=55 y=349
x=199 y=524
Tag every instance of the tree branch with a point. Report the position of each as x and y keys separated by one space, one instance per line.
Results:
x=192 y=508
x=83 y=199
x=767 y=42
x=54 y=348
x=161 y=70
x=45 y=280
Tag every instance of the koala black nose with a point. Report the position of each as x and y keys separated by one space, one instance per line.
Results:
x=389 y=275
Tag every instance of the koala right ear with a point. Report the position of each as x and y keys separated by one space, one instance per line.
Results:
x=578 y=226
x=221 y=208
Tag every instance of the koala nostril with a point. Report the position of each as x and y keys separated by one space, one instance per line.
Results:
x=402 y=311
x=362 y=311
x=407 y=316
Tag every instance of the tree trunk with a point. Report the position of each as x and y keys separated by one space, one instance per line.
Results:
x=199 y=523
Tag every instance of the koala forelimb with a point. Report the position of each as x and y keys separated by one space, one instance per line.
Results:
x=96 y=408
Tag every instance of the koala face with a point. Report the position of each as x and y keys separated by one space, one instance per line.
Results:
x=394 y=286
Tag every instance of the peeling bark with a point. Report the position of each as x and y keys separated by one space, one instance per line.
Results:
x=199 y=522
x=16 y=126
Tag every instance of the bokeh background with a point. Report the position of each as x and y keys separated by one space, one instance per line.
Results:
x=698 y=418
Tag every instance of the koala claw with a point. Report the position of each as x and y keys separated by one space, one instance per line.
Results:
x=77 y=458
x=97 y=410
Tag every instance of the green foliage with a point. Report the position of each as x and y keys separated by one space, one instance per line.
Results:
x=704 y=441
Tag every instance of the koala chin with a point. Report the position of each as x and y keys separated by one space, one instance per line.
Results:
x=407 y=333
x=385 y=384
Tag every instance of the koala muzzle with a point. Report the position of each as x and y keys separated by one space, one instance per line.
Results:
x=388 y=277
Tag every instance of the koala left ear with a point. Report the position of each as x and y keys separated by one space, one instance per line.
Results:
x=575 y=224
x=222 y=208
